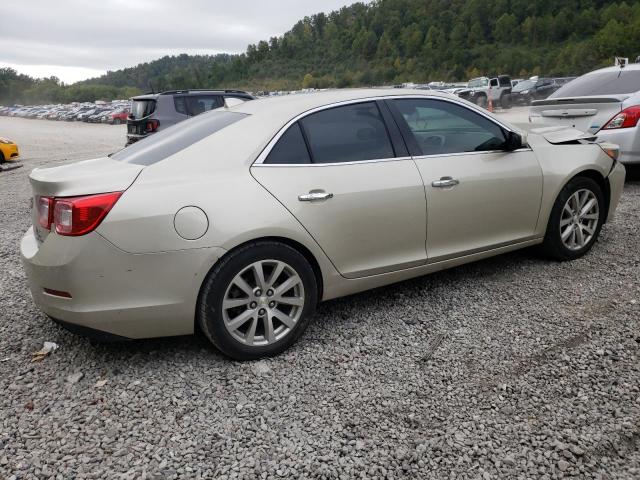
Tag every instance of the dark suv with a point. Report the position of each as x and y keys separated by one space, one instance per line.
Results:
x=156 y=111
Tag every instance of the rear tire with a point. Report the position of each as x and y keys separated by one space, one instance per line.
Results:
x=249 y=315
x=575 y=221
x=1 y=158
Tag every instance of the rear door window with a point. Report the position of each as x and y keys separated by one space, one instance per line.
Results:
x=290 y=148
x=604 y=83
x=349 y=133
x=197 y=104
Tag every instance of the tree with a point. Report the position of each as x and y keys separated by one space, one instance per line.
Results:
x=505 y=28
x=308 y=81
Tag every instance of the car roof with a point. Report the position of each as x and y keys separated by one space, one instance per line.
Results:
x=283 y=108
x=630 y=66
x=193 y=91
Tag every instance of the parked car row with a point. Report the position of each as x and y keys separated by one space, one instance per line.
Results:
x=113 y=113
x=505 y=92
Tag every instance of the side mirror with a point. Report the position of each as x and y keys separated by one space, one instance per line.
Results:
x=514 y=141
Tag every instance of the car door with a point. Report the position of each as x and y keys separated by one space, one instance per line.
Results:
x=349 y=181
x=479 y=196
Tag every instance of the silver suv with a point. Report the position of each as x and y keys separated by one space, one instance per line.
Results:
x=154 y=112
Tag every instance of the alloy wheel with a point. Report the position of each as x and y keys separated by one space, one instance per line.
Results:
x=263 y=303
x=579 y=219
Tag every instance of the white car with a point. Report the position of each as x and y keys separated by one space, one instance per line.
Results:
x=241 y=219
x=605 y=102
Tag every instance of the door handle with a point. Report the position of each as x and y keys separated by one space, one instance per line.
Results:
x=445 y=182
x=315 y=196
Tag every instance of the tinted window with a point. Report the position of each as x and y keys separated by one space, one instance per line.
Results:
x=200 y=104
x=291 y=148
x=347 y=134
x=164 y=143
x=478 y=82
x=524 y=85
x=180 y=105
x=605 y=83
x=494 y=82
x=142 y=108
x=442 y=127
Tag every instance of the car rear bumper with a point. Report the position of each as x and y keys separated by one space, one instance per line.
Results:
x=134 y=137
x=628 y=139
x=10 y=151
x=112 y=291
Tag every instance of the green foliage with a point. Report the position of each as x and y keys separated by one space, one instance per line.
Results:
x=386 y=41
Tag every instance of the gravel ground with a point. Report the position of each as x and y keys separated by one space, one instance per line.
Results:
x=514 y=367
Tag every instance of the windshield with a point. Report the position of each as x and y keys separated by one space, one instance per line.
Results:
x=177 y=137
x=142 y=108
x=604 y=83
x=524 y=85
x=478 y=82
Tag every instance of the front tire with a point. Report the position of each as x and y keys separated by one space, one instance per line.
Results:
x=481 y=101
x=257 y=300
x=576 y=220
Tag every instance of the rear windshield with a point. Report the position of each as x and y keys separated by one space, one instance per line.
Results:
x=142 y=108
x=524 y=85
x=165 y=143
x=605 y=83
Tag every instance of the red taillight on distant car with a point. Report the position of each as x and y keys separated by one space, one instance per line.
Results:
x=627 y=118
x=74 y=216
x=44 y=211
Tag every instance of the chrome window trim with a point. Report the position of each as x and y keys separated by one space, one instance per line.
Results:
x=482 y=152
x=259 y=161
x=333 y=164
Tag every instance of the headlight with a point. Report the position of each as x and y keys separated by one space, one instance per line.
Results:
x=524 y=92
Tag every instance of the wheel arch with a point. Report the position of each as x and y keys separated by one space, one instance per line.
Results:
x=299 y=247
x=602 y=182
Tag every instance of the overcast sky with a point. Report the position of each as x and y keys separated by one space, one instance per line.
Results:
x=78 y=39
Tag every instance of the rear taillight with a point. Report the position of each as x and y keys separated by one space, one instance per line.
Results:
x=627 y=118
x=76 y=216
x=152 y=125
x=44 y=211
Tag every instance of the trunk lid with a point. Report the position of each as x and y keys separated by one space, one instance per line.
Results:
x=100 y=175
x=558 y=135
x=587 y=114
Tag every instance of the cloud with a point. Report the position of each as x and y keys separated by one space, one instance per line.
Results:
x=66 y=36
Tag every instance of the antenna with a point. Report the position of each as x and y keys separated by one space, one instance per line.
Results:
x=621 y=62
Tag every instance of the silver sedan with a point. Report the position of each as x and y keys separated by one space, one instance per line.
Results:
x=242 y=219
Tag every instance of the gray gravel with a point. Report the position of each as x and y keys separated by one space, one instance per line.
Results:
x=514 y=367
